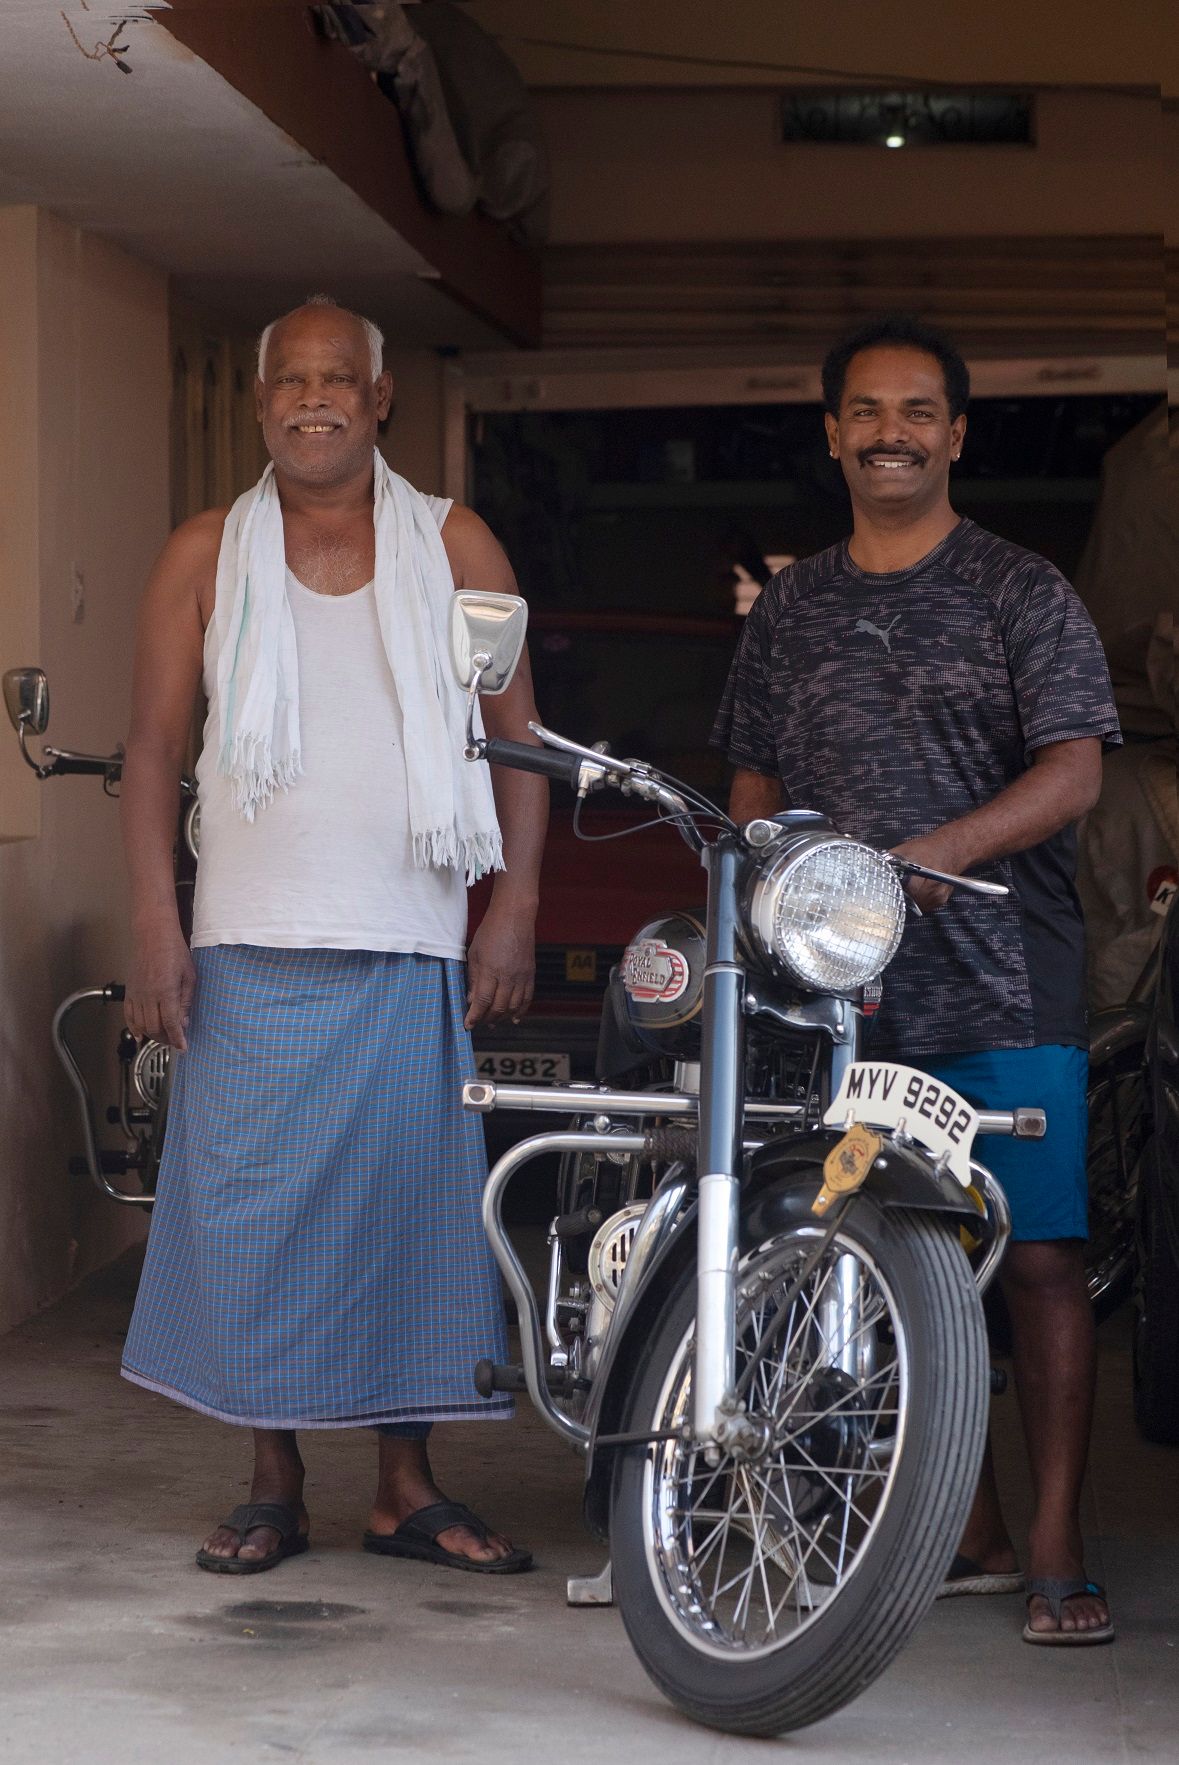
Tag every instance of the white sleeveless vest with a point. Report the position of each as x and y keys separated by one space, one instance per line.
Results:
x=328 y=864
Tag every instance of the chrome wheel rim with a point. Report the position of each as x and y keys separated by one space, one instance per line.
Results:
x=745 y=1555
x=1117 y=1134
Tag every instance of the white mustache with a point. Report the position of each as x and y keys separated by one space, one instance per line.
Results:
x=317 y=419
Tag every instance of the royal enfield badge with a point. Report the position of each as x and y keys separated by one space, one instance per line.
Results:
x=654 y=973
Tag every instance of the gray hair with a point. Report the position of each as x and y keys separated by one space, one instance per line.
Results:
x=376 y=340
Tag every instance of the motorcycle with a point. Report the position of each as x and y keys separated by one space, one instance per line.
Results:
x=145 y=1065
x=763 y=1327
x=1119 y=1116
x=1120 y=1127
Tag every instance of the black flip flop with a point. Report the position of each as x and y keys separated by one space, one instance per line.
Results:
x=1056 y=1589
x=273 y=1514
x=417 y=1538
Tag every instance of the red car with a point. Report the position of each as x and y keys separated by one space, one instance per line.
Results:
x=650 y=686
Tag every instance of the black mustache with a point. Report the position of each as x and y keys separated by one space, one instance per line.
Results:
x=891 y=453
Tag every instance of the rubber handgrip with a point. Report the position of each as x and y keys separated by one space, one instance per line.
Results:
x=87 y=766
x=549 y=762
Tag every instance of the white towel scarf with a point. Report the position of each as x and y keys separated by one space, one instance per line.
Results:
x=451 y=808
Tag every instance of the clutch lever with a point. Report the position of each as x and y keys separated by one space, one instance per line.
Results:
x=972 y=885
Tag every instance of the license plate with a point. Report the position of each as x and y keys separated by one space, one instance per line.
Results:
x=524 y=1069
x=884 y=1095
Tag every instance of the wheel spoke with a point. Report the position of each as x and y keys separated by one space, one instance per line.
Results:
x=754 y=1548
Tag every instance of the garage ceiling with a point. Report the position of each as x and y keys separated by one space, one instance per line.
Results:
x=171 y=162
x=636 y=43
x=1055 y=296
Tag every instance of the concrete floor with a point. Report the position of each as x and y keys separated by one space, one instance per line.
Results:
x=113 y=1646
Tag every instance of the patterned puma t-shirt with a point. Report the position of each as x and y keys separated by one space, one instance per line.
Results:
x=896 y=702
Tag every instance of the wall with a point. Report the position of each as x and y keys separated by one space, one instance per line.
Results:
x=89 y=463
x=412 y=442
x=711 y=166
x=20 y=798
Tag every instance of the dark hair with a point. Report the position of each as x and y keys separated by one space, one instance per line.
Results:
x=903 y=331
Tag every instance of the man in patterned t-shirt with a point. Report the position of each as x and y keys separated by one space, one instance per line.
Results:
x=942 y=693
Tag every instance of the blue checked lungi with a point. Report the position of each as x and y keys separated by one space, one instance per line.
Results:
x=316 y=1257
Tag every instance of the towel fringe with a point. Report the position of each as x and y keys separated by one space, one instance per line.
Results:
x=439 y=848
x=252 y=772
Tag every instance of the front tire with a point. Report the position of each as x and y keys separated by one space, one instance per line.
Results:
x=1156 y=1315
x=1119 y=1121
x=761 y=1597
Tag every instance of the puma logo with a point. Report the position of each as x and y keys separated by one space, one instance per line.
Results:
x=875 y=631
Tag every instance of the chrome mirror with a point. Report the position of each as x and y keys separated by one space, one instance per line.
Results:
x=487 y=634
x=26 y=695
x=486 y=638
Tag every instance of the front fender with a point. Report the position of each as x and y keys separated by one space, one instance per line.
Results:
x=902 y=1176
x=782 y=1180
x=1119 y=1029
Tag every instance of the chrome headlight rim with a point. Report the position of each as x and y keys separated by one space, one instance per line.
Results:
x=772 y=883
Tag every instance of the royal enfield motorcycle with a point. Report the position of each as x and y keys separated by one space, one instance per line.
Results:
x=763 y=1329
x=144 y=1065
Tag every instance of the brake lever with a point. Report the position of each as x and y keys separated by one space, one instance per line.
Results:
x=596 y=756
x=972 y=885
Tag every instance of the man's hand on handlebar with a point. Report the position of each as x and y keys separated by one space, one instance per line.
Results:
x=938 y=851
x=161 y=985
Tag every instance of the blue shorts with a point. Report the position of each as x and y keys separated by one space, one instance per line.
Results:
x=1045 y=1180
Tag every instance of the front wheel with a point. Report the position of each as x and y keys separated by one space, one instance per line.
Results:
x=764 y=1594
x=1156 y=1314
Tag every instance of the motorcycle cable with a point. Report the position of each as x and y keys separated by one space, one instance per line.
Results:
x=659 y=819
x=639 y=1439
x=696 y=800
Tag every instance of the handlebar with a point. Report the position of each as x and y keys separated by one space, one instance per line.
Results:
x=99 y=765
x=585 y=769
x=524 y=757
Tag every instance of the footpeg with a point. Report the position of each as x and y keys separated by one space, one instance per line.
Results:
x=591 y=1590
x=491 y=1377
x=998 y=1381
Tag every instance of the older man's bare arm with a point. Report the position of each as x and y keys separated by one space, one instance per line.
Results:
x=176 y=606
x=501 y=958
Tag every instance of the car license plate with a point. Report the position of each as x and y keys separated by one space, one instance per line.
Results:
x=884 y=1095
x=523 y=1069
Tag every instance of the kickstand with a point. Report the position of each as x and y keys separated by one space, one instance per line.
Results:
x=591 y=1590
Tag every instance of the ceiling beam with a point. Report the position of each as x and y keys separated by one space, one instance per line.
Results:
x=319 y=94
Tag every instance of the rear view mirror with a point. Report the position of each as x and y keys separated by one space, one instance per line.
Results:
x=486 y=639
x=26 y=695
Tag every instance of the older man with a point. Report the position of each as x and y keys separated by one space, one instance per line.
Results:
x=316 y=1258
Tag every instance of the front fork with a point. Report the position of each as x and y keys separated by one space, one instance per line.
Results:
x=717 y=1418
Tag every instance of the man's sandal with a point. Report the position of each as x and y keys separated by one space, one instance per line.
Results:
x=277 y=1517
x=417 y=1537
x=1056 y=1589
x=965 y=1576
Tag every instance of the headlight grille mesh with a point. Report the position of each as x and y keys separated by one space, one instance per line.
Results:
x=839 y=916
